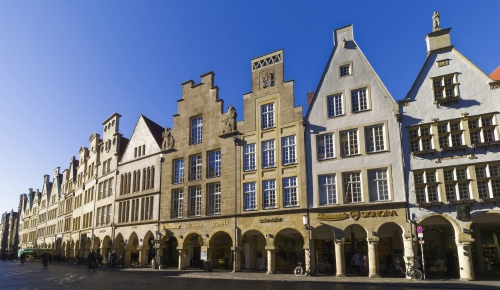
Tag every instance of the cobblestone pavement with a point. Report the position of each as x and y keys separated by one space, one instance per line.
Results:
x=64 y=275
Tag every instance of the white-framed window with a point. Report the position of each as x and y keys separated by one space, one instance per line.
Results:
x=289 y=155
x=345 y=70
x=445 y=88
x=178 y=171
x=327 y=189
x=268 y=154
x=334 y=105
x=420 y=139
x=214 y=198
x=250 y=198
x=269 y=194
x=249 y=157
x=482 y=130
x=378 y=185
x=196 y=130
x=214 y=164
x=488 y=180
x=359 y=100
x=267 y=111
x=195 y=201
x=290 y=196
x=195 y=169
x=325 y=146
x=374 y=137
x=178 y=205
x=456 y=181
x=349 y=141
x=426 y=186
x=352 y=187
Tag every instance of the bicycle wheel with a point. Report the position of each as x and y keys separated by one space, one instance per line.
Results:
x=298 y=271
x=396 y=272
x=417 y=275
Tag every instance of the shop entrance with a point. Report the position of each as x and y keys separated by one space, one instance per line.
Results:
x=289 y=250
x=486 y=246
x=355 y=242
x=170 y=252
x=324 y=250
x=253 y=253
x=220 y=251
x=440 y=249
x=193 y=244
x=390 y=246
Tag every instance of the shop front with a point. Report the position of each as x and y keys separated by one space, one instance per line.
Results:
x=485 y=230
x=253 y=251
x=323 y=260
x=289 y=250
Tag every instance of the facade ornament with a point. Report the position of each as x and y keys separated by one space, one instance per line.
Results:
x=438 y=160
x=436 y=21
x=472 y=156
x=228 y=121
x=463 y=212
x=168 y=139
x=268 y=80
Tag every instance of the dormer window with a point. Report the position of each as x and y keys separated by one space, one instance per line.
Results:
x=445 y=89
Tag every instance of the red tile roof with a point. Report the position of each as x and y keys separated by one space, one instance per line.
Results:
x=495 y=75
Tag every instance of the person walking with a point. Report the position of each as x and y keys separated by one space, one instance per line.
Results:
x=357 y=262
x=364 y=265
x=45 y=259
x=92 y=258
x=112 y=259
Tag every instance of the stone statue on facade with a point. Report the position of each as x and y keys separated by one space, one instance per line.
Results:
x=435 y=21
x=228 y=121
x=168 y=139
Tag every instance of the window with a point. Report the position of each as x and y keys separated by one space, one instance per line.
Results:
x=196 y=130
x=267 y=116
x=288 y=144
x=426 y=187
x=482 y=131
x=455 y=180
x=345 y=70
x=268 y=154
x=325 y=146
x=214 y=198
x=327 y=190
x=359 y=100
x=249 y=157
x=349 y=142
x=421 y=140
x=195 y=168
x=445 y=88
x=488 y=185
x=352 y=187
x=269 y=194
x=178 y=205
x=214 y=163
x=250 y=199
x=374 y=137
x=334 y=105
x=195 y=201
x=179 y=171
x=377 y=184
x=290 y=197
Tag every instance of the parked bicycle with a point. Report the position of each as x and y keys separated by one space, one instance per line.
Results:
x=299 y=271
x=410 y=272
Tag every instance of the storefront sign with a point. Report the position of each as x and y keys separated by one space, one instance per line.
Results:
x=378 y=213
x=220 y=223
x=356 y=214
x=165 y=227
x=194 y=225
x=271 y=220
x=333 y=216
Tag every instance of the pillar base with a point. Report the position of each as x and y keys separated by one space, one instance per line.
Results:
x=340 y=275
x=269 y=272
x=466 y=279
x=374 y=276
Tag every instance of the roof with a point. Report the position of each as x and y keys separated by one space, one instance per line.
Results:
x=156 y=130
x=495 y=75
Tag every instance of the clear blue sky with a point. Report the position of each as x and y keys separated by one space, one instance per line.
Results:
x=65 y=66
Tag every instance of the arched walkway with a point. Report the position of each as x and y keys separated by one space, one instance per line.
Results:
x=485 y=230
x=355 y=242
x=169 y=253
x=253 y=250
x=323 y=249
x=289 y=250
x=219 y=251
x=390 y=246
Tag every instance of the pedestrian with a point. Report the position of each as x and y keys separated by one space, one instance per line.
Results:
x=50 y=258
x=112 y=259
x=388 y=262
x=365 y=265
x=45 y=259
x=99 y=259
x=356 y=259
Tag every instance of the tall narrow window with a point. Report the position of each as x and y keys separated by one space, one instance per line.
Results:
x=249 y=157
x=196 y=130
x=359 y=100
x=289 y=155
x=267 y=116
x=152 y=177
x=179 y=171
x=377 y=184
x=214 y=198
x=269 y=194
x=148 y=181
x=178 y=205
x=349 y=142
x=334 y=106
x=195 y=201
x=214 y=164
x=374 y=137
x=325 y=146
x=327 y=190
x=268 y=159
x=352 y=187
x=108 y=218
x=290 y=196
x=250 y=199
x=195 y=168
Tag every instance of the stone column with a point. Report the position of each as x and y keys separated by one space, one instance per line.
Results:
x=127 y=257
x=408 y=248
x=308 y=260
x=465 y=259
x=237 y=259
x=339 y=257
x=270 y=260
x=373 y=264
x=143 y=257
x=182 y=259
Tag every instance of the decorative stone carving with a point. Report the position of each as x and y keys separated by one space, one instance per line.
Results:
x=168 y=139
x=436 y=21
x=463 y=212
x=228 y=121
x=268 y=80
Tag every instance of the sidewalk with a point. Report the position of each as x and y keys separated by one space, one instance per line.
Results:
x=249 y=275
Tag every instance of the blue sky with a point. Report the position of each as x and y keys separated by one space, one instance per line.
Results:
x=65 y=66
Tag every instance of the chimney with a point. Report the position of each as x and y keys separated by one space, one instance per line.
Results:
x=310 y=97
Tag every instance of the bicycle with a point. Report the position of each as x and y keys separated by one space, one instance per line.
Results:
x=299 y=271
x=411 y=272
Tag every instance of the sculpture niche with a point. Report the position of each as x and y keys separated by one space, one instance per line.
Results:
x=228 y=121
x=168 y=139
